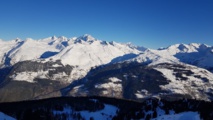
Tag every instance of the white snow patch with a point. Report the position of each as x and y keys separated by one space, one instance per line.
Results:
x=114 y=86
x=142 y=94
x=78 y=73
x=108 y=85
x=57 y=65
x=30 y=76
x=139 y=95
x=24 y=76
x=114 y=79
x=174 y=86
x=76 y=88
x=113 y=83
x=167 y=73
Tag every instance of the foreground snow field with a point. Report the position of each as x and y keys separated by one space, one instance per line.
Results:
x=181 y=116
x=5 y=117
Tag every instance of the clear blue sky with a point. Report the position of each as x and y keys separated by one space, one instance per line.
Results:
x=149 y=23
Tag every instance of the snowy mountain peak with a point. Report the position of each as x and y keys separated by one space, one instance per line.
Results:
x=29 y=39
x=86 y=52
x=140 y=48
x=195 y=54
x=176 y=47
x=62 y=38
x=18 y=40
x=86 y=37
x=186 y=48
x=195 y=44
x=54 y=37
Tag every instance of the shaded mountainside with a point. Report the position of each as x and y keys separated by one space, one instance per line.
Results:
x=104 y=108
x=129 y=80
x=121 y=80
x=30 y=70
x=53 y=70
x=137 y=81
x=22 y=90
x=33 y=80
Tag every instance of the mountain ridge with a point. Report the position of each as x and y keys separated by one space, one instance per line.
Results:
x=84 y=66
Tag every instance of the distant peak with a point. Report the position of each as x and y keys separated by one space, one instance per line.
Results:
x=87 y=37
x=194 y=44
x=182 y=47
x=176 y=46
x=53 y=37
x=29 y=39
x=62 y=37
x=161 y=48
x=17 y=39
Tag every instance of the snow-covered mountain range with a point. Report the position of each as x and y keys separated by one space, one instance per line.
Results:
x=84 y=51
x=81 y=52
x=84 y=65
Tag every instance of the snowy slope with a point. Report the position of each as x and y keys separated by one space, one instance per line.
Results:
x=200 y=55
x=92 y=53
x=5 y=117
x=196 y=82
x=183 y=77
x=152 y=57
x=107 y=113
x=6 y=48
x=85 y=52
x=134 y=80
x=181 y=116
x=81 y=52
x=29 y=49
